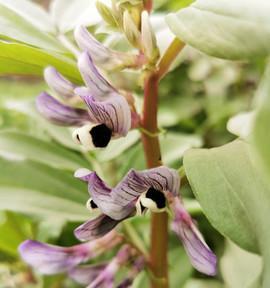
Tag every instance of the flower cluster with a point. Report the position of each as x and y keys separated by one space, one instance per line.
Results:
x=110 y=115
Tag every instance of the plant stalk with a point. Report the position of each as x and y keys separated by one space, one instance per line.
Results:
x=159 y=221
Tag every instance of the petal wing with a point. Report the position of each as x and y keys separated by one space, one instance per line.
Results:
x=96 y=83
x=95 y=228
x=200 y=255
x=59 y=83
x=114 y=112
x=60 y=114
x=51 y=259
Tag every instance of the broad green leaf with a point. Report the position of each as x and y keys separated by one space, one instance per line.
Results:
x=180 y=268
x=225 y=28
x=261 y=133
x=233 y=195
x=196 y=283
x=16 y=27
x=25 y=60
x=36 y=203
x=118 y=146
x=28 y=147
x=31 y=12
x=69 y=14
x=173 y=146
x=13 y=229
x=37 y=189
x=239 y=268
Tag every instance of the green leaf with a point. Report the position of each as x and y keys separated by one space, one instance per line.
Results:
x=233 y=195
x=14 y=229
x=173 y=146
x=226 y=28
x=25 y=60
x=196 y=283
x=28 y=147
x=37 y=189
x=31 y=12
x=239 y=268
x=118 y=146
x=15 y=26
x=261 y=133
x=69 y=14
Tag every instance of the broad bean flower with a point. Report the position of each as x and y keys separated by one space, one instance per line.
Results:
x=154 y=189
x=108 y=114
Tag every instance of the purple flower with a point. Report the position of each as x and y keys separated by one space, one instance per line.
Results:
x=52 y=259
x=139 y=191
x=108 y=115
x=106 y=277
x=105 y=57
x=86 y=274
x=200 y=255
x=137 y=266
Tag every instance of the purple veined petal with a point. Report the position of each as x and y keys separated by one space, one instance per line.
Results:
x=103 y=56
x=108 y=274
x=200 y=255
x=136 y=267
x=86 y=274
x=96 y=83
x=59 y=83
x=95 y=228
x=114 y=112
x=51 y=259
x=100 y=193
x=59 y=113
x=137 y=182
x=83 y=174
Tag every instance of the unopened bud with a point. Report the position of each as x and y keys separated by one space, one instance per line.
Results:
x=149 y=42
x=131 y=31
x=106 y=13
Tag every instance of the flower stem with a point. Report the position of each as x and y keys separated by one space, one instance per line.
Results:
x=169 y=56
x=159 y=221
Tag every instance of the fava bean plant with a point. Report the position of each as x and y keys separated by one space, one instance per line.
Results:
x=104 y=71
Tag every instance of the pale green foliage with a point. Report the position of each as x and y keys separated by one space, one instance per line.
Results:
x=225 y=28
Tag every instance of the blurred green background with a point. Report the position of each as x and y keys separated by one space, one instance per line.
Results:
x=40 y=199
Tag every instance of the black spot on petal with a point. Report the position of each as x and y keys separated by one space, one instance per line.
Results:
x=93 y=204
x=157 y=196
x=101 y=135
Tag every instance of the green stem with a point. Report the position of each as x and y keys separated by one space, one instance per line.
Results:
x=169 y=56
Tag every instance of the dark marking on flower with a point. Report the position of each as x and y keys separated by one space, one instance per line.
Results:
x=93 y=205
x=101 y=135
x=157 y=196
x=78 y=137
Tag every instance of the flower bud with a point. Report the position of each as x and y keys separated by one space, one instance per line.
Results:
x=106 y=13
x=149 y=42
x=131 y=31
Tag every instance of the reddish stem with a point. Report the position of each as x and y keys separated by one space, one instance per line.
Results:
x=148 y=5
x=159 y=223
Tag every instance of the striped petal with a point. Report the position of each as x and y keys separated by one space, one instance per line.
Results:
x=108 y=274
x=135 y=183
x=103 y=56
x=86 y=274
x=51 y=259
x=95 y=228
x=97 y=85
x=114 y=112
x=201 y=256
x=58 y=83
x=60 y=114
x=101 y=195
